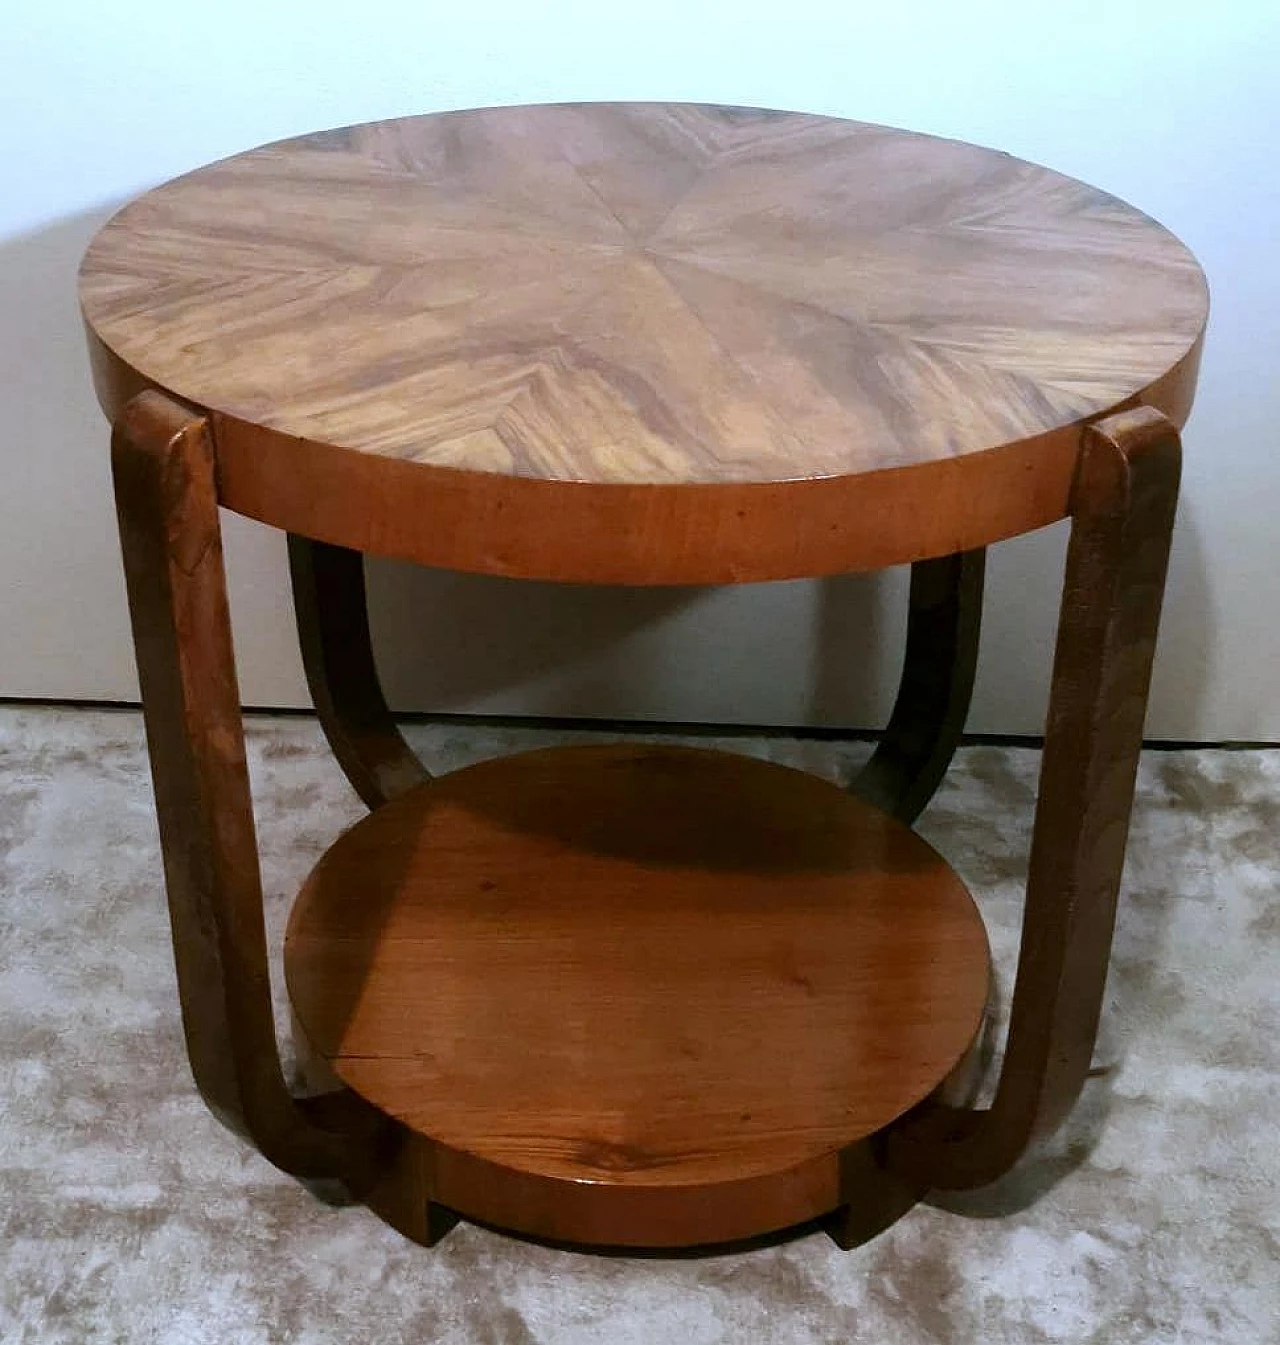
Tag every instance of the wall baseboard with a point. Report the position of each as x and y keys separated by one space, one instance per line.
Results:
x=815 y=733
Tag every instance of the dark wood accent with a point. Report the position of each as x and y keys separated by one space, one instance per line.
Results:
x=944 y=619
x=640 y=995
x=337 y=653
x=405 y=1194
x=1122 y=523
x=163 y=464
x=875 y=1195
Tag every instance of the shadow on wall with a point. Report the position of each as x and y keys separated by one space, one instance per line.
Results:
x=856 y=660
x=1186 y=672
x=1019 y=628
x=62 y=603
x=802 y=652
x=447 y=639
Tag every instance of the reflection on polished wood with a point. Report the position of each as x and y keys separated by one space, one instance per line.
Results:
x=623 y=296
x=686 y=979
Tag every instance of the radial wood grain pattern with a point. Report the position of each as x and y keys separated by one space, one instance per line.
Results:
x=647 y=297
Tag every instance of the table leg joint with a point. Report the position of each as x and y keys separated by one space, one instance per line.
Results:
x=333 y=632
x=1123 y=508
x=166 y=496
x=943 y=624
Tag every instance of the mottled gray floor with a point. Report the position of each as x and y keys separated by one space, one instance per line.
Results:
x=130 y=1215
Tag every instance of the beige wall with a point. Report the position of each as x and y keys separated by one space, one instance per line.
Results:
x=1159 y=105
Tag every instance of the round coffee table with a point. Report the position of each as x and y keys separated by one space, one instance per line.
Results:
x=640 y=995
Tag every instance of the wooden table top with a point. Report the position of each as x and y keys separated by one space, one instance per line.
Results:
x=641 y=295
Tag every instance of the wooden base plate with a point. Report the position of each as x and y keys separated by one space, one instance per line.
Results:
x=636 y=995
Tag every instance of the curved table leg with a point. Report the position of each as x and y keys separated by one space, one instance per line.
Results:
x=943 y=623
x=333 y=632
x=1123 y=509
x=163 y=464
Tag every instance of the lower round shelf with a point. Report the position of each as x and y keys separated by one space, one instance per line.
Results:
x=634 y=994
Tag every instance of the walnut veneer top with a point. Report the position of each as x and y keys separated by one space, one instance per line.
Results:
x=641 y=294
